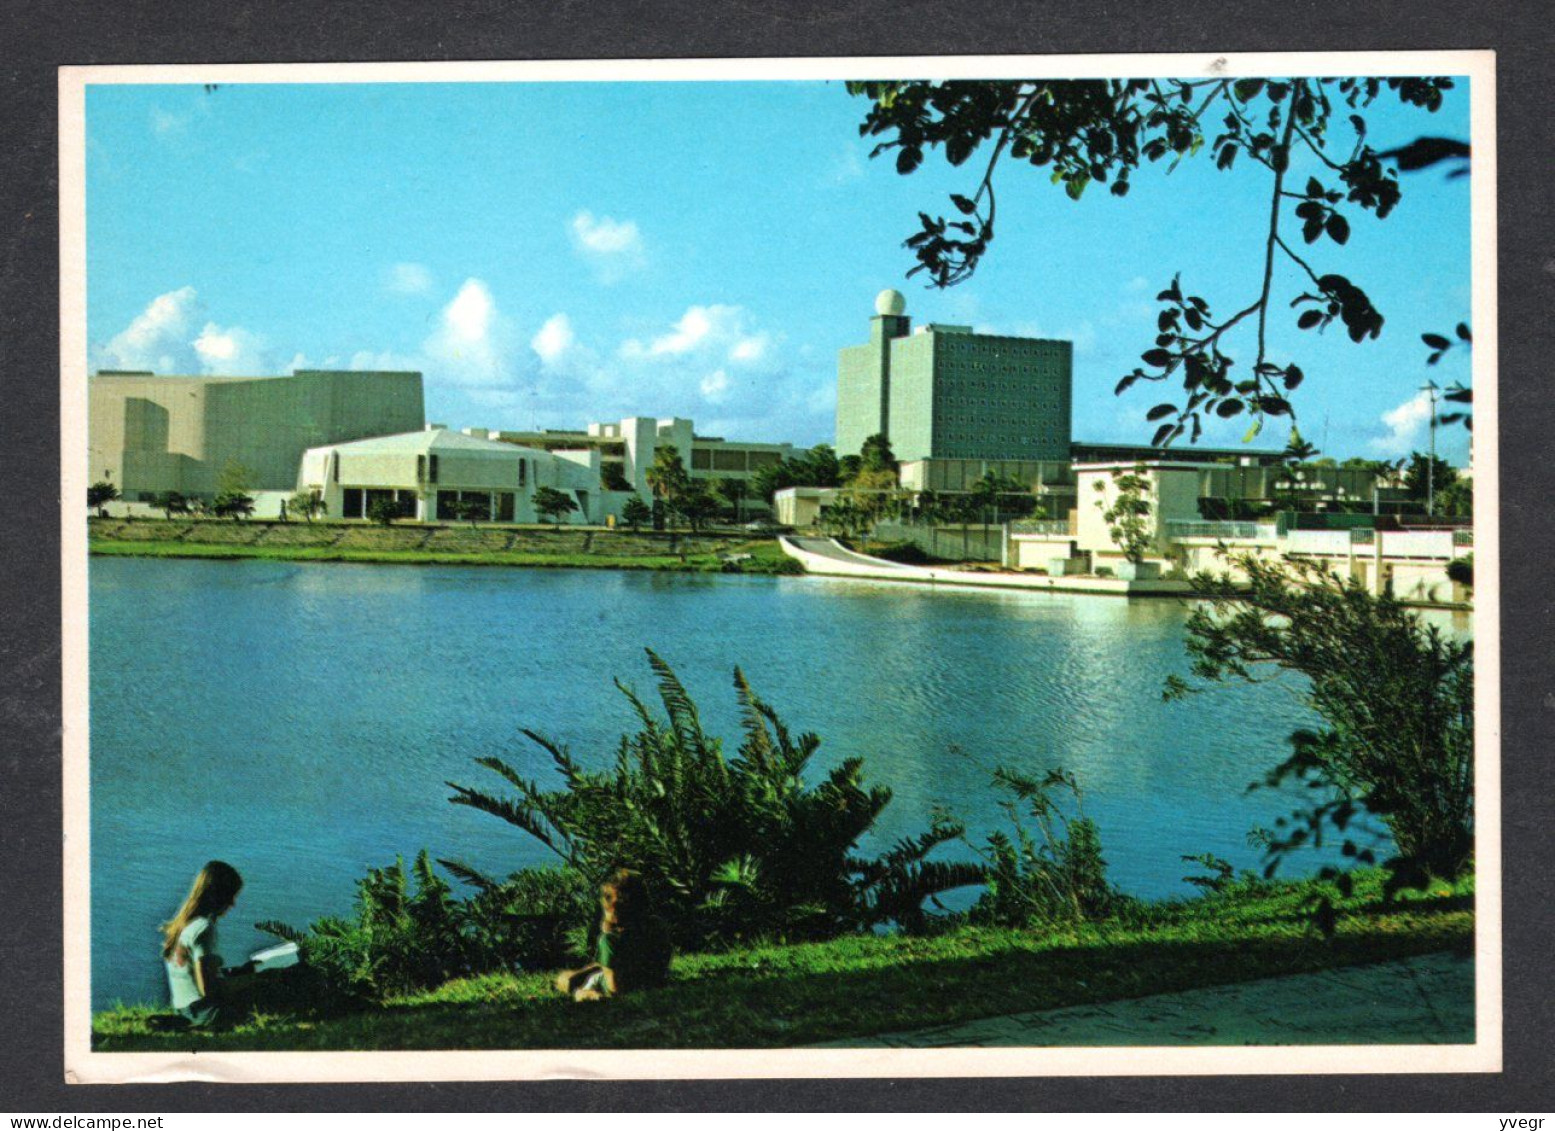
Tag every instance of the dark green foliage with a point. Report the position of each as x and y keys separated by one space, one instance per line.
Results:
x=536 y=919
x=697 y=505
x=1060 y=877
x=1461 y=570
x=410 y=932
x=996 y=497
x=384 y=511
x=553 y=504
x=1218 y=876
x=1396 y=695
x=233 y=504
x=875 y=454
x=1426 y=475
x=734 y=847
x=819 y=467
x=612 y=476
x=635 y=512
x=171 y=503
x=100 y=494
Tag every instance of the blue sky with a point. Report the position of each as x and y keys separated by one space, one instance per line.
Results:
x=550 y=254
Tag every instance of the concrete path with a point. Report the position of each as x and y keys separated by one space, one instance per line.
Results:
x=1425 y=1000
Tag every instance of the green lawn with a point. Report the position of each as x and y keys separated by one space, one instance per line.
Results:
x=765 y=556
x=774 y=996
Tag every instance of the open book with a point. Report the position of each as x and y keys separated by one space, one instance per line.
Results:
x=276 y=957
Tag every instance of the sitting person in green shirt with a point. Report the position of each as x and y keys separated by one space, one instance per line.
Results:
x=633 y=952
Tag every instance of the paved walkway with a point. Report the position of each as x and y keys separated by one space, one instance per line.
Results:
x=1424 y=1000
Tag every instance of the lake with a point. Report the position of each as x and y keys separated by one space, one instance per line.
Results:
x=300 y=720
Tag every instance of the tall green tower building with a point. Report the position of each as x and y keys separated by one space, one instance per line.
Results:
x=947 y=393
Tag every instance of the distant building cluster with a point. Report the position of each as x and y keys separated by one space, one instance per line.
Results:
x=956 y=406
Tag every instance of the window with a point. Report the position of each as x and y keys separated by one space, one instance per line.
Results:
x=523 y=472
x=504 y=506
x=334 y=467
x=432 y=468
x=701 y=459
x=351 y=505
x=421 y=469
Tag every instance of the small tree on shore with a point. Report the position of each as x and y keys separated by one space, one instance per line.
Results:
x=553 y=504
x=233 y=498
x=1127 y=518
x=99 y=495
x=697 y=505
x=636 y=512
x=171 y=503
x=307 y=503
x=383 y=511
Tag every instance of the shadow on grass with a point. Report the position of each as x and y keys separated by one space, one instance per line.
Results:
x=785 y=1003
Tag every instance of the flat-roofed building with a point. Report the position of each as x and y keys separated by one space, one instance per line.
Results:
x=427 y=474
x=945 y=392
x=148 y=434
x=623 y=451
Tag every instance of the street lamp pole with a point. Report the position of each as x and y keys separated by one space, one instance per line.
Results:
x=1430 y=390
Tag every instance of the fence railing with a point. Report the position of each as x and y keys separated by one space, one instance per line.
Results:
x=1049 y=526
x=1181 y=528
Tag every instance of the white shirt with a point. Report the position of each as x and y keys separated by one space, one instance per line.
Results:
x=196 y=941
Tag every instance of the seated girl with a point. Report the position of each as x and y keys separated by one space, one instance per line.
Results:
x=195 y=981
x=634 y=950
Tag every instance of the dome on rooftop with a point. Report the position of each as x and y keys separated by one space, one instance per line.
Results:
x=890 y=302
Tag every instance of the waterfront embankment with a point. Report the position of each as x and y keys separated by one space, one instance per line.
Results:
x=850 y=990
x=416 y=544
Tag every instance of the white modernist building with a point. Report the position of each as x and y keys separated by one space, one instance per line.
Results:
x=425 y=473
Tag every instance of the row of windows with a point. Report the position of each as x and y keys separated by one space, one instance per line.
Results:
x=731 y=459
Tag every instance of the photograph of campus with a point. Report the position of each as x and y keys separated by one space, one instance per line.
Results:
x=608 y=564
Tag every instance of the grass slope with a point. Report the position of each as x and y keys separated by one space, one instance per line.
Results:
x=768 y=996
x=409 y=545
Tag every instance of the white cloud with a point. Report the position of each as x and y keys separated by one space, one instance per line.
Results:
x=408 y=279
x=614 y=247
x=1137 y=283
x=750 y=349
x=717 y=333
x=232 y=352
x=382 y=361
x=554 y=340
x=157 y=338
x=472 y=344
x=1404 y=424
x=715 y=386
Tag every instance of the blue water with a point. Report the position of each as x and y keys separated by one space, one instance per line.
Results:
x=300 y=720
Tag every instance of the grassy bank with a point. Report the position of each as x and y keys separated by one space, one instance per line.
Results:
x=776 y=996
x=567 y=547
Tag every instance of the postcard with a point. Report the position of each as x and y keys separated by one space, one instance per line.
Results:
x=777 y=568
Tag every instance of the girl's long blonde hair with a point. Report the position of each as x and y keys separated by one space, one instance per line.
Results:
x=213 y=891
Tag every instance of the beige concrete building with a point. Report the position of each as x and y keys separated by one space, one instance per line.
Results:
x=148 y=434
x=621 y=452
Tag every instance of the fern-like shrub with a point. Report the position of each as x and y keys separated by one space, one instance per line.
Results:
x=1056 y=875
x=409 y=932
x=734 y=847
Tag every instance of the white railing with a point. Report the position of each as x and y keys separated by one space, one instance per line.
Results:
x=1178 y=528
x=1418 y=544
x=1335 y=542
x=1047 y=526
